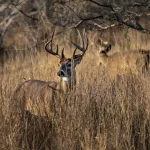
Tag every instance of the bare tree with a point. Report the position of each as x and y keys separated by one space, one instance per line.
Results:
x=98 y=14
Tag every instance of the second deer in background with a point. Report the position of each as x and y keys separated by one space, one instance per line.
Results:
x=136 y=61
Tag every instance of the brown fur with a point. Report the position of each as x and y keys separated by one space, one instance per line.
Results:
x=36 y=96
x=124 y=62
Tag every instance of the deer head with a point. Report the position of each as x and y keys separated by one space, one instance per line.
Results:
x=67 y=65
x=104 y=48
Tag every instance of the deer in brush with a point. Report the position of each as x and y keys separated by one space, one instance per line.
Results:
x=136 y=61
x=37 y=96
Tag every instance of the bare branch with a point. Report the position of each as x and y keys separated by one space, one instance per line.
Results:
x=135 y=26
x=102 y=5
x=117 y=15
x=31 y=17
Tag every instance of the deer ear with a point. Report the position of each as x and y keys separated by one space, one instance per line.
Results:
x=108 y=48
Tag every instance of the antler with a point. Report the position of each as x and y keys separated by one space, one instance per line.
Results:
x=83 y=48
x=51 y=48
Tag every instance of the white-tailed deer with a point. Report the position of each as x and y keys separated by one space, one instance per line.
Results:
x=136 y=61
x=37 y=96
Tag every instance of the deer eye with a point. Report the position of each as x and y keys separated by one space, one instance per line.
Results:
x=69 y=65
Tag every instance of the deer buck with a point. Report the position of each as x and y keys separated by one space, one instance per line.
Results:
x=136 y=61
x=37 y=96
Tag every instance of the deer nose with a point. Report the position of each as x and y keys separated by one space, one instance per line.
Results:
x=60 y=73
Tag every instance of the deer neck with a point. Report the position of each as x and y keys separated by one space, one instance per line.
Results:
x=104 y=59
x=66 y=85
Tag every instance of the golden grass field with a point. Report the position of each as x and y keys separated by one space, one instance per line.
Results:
x=101 y=114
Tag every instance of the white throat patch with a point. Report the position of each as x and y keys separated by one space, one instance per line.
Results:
x=65 y=79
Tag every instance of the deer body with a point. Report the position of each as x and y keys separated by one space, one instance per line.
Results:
x=124 y=62
x=37 y=96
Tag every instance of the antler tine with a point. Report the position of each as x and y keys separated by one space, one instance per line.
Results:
x=50 y=50
x=83 y=49
x=81 y=36
x=87 y=42
x=83 y=40
x=74 y=53
x=62 y=54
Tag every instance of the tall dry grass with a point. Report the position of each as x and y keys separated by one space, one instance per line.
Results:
x=100 y=114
